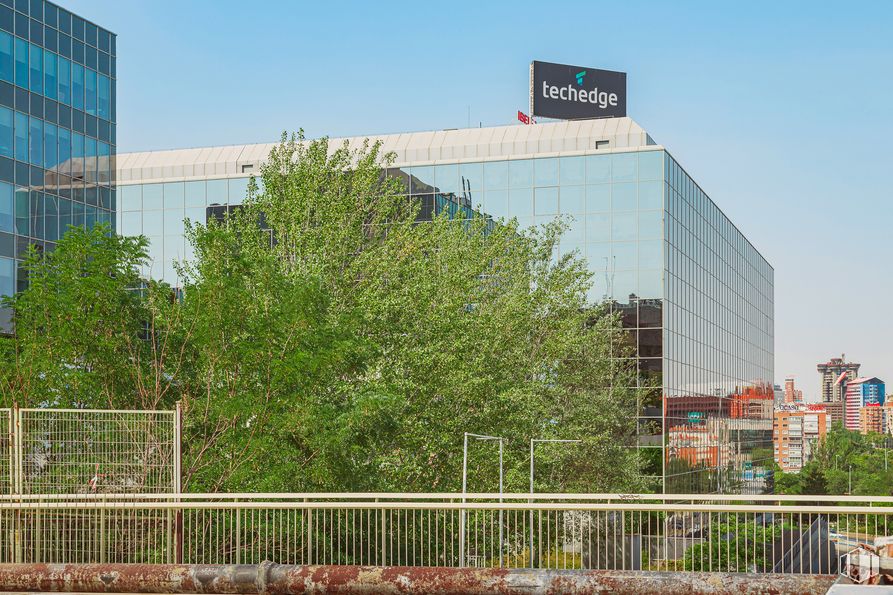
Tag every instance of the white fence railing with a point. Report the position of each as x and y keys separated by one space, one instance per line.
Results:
x=600 y=531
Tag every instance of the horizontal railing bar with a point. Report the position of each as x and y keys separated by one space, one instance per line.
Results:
x=355 y=505
x=346 y=496
x=104 y=411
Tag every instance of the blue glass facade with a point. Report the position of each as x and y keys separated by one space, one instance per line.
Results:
x=695 y=297
x=57 y=129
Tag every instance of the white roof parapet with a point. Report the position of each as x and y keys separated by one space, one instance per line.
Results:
x=440 y=146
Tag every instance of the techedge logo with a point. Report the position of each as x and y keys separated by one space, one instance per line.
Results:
x=602 y=99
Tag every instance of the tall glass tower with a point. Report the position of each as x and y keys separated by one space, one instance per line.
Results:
x=57 y=130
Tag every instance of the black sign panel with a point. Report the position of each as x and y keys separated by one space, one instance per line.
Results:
x=576 y=92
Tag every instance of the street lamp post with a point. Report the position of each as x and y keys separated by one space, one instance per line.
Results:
x=534 y=441
x=468 y=435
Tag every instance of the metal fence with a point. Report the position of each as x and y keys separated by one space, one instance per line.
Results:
x=62 y=451
x=611 y=532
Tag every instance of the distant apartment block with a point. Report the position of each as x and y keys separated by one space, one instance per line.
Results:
x=863 y=393
x=796 y=432
x=791 y=394
x=871 y=419
x=835 y=375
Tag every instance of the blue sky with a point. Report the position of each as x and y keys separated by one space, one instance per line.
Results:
x=781 y=111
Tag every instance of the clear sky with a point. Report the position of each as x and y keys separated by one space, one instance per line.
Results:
x=780 y=110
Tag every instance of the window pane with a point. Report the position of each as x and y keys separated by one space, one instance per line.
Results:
x=623 y=197
x=651 y=165
x=6 y=132
x=104 y=101
x=195 y=194
x=598 y=169
x=573 y=199
x=521 y=173
x=573 y=171
x=35 y=139
x=650 y=224
x=496 y=175
x=546 y=172
x=598 y=198
x=238 y=189
x=153 y=198
x=624 y=226
x=7 y=207
x=49 y=74
x=153 y=223
x=173 y=224
x=217 y=192
x=21 y=137
x=520 y=202
x=77 y=85
x=90 y=90
x=64 y=150
x=23 y=211
x=7 y=276
x=131 y=197
x=546 y=201
x=21 y=62
x=35 y=65
x=624 y=166
x=651 y=195
x=131 y=223
x=6 y=60
x=64 y=74
x=173 y=195
x=50 y=147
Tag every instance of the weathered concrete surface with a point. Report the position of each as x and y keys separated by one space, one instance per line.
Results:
x=276 y=579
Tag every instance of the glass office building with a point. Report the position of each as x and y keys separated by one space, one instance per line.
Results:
x=695 y=297
x=57 y=129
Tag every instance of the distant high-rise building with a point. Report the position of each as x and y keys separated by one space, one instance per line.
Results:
x=835 y=375
x=778 y=393
x=795 y=434
x=791 y=394
x=871 y=419
x=862 y=393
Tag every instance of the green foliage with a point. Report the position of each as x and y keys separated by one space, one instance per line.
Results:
x=734 y=546
x=842 y=459
x=345 y=346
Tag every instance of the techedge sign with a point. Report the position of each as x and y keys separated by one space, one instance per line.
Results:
x=576 y=92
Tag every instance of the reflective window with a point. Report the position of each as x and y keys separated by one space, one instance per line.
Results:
x=7 y=69
x=496 y=203
x=545 y=172
x=50 y=146
x=520 y=202
x=77 y=86
x=7 y=276
x=195 y=194
x=238 y=188
x=598 y=169
x=496 y=175
x=573 y=199
x=446 y=178
x=650 y=224
x=217 y=192
x=623 y=226
x=35 y=141
x=90 y=91
x=623 y=197
x=104 y=97
x=521 y=173
x=153 y=223
x=573 y=171
x=7 y=142
x=651 y=195
x=625 y=255
x=21 y=62
x=471 y=176
x=153 y=197
x=173 y=223
x=174 y=195
x=650 y=254
x=35 y=66
x=64 y=68
x=7 y=207
x=546 y=201
x=598 y=198
x=651 y=165
x=598 y=227
x=131 y=223
x=49 y=75
x=64 y=150
x=21 y=137
x=624 y=167
x=196 y=214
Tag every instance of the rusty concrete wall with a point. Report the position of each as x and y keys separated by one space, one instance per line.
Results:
x=275 y=579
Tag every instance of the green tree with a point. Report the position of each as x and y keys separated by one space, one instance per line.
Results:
x=326 y=340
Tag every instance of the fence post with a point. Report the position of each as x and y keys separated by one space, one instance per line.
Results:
x=17 y=480
x=309 y=535
x=178 y=515
x=102 y=531
x=384 y=550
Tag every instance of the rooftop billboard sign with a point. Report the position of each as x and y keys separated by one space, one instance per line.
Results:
x=570 y=92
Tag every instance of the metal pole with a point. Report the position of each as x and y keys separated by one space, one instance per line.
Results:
x=850 y=481
x=530 y=501
x=500 y=501
x=462 y=511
